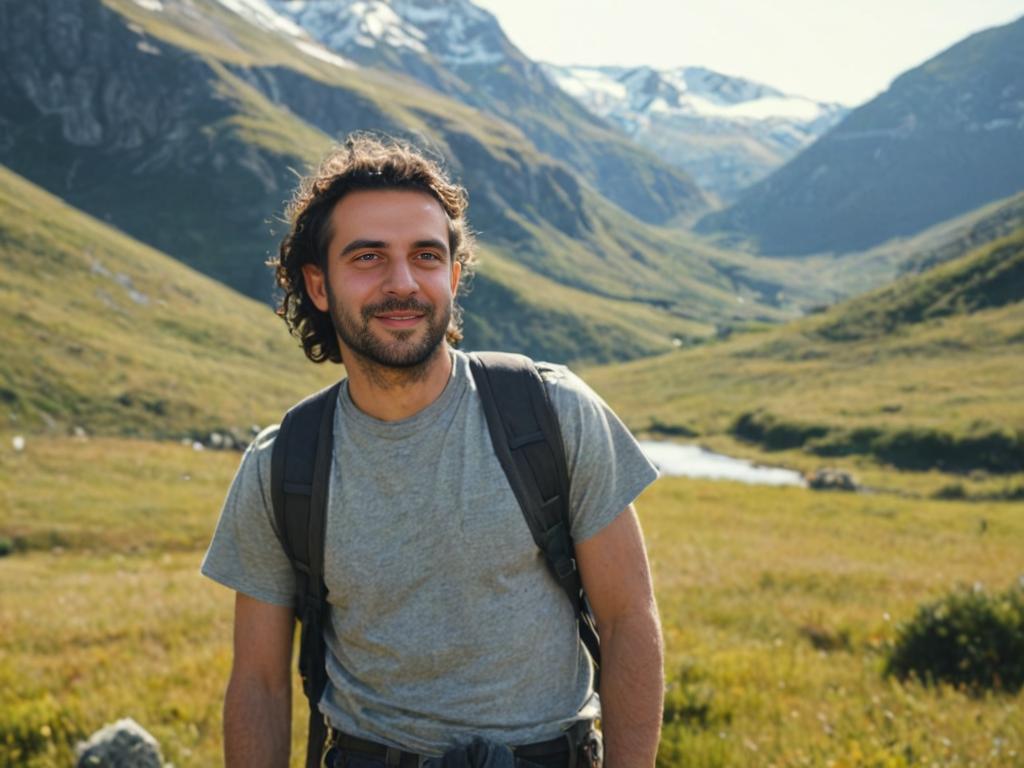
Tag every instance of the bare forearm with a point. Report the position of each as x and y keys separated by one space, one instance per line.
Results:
x=632 y=690
x=257 y=726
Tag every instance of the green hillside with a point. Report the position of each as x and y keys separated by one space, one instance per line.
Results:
x=991 y=277
x=926 y=373
x=102 y=332
x=856 y=273
x=105 y=333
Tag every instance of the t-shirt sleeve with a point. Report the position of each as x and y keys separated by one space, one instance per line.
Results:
x=245 y=553
x=608 y=470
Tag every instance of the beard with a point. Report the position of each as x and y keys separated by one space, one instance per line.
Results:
x=402 y=350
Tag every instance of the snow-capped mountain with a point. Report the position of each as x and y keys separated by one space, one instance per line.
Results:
x=727 y=132
x=457 y=33
x=460 y=50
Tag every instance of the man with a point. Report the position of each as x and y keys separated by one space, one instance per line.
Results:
x=444 y=623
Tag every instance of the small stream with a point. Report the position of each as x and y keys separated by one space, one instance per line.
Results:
x=694 y=461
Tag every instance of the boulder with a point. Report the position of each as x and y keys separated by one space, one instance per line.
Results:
x=124 y=744
x=831 y=480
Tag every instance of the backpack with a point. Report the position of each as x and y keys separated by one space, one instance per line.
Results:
x=527 y=441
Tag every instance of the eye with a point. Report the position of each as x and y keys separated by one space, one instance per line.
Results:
x=430 y=256
x=368 y=256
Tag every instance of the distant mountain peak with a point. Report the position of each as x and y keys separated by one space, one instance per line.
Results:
x=690 y=90
x=454 y=31
x=262 y=14
x=726 y=131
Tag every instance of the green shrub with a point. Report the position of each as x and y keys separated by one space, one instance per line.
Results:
x=951 y=491
x=969 y=638
x=690 y=700
x=773 y=433
x=36 y=732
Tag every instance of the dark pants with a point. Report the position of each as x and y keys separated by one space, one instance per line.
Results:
x=337 y=758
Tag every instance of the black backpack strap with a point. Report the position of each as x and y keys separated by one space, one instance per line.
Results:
x=299 y=475
x=528 y=443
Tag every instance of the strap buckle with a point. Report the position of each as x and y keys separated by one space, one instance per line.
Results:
x=565 y=567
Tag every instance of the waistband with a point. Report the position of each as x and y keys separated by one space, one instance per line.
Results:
x=561 y=750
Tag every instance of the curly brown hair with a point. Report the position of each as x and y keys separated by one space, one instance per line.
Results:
x=364 y=162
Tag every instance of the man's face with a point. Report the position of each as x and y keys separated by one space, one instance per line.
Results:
x=390 y=280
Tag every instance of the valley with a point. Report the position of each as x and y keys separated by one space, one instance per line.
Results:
x=854 y=304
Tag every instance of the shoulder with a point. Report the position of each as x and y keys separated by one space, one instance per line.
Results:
x=255 y=465
x=264 y=441
x=565 y=389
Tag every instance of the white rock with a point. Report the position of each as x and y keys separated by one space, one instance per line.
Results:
x=124 y=744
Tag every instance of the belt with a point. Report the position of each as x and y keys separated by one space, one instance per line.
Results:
x=399 y=758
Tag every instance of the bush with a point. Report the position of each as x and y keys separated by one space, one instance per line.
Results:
x=690 y=700
x=951 y=491
x=773 y=433
x=970 y=639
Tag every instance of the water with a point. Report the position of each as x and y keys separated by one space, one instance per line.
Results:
x=694 y=461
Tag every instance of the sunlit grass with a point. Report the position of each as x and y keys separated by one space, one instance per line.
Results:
x=779 y=604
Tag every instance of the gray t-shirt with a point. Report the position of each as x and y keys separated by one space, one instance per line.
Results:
x=444 y=620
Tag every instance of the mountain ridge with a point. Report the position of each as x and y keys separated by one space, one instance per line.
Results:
x=946 y=137
x=727 y=132
x=503 y=82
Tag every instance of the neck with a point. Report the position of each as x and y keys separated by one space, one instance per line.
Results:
x=392 y=394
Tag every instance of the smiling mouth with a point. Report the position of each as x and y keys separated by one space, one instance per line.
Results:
x=397 y=315
x=399 y=320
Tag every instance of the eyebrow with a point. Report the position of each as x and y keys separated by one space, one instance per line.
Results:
x=359 y=245
x=431 y=243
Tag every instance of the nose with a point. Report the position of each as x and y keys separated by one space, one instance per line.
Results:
x=400 y=279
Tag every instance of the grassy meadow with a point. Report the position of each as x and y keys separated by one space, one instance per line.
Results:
x=777 y=604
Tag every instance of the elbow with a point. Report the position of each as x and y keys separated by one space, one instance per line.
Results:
x=640 y=629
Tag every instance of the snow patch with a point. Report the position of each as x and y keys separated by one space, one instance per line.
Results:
x=319 y=52
x=688 y=92
x=150 y=5
x=382 y=23
x=759 y=109
x=998 y=124
x=262 y=15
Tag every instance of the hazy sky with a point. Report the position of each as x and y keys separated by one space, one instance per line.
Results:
x=837 y=50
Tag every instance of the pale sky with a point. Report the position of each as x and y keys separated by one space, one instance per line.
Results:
x=833 y=50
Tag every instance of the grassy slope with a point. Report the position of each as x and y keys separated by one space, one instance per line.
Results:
x=940 y=351
x=105 y=615
x=857 y=273
x=103 y=332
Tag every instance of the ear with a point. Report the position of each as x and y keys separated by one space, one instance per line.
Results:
x=316 y=285
x=456 y=274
